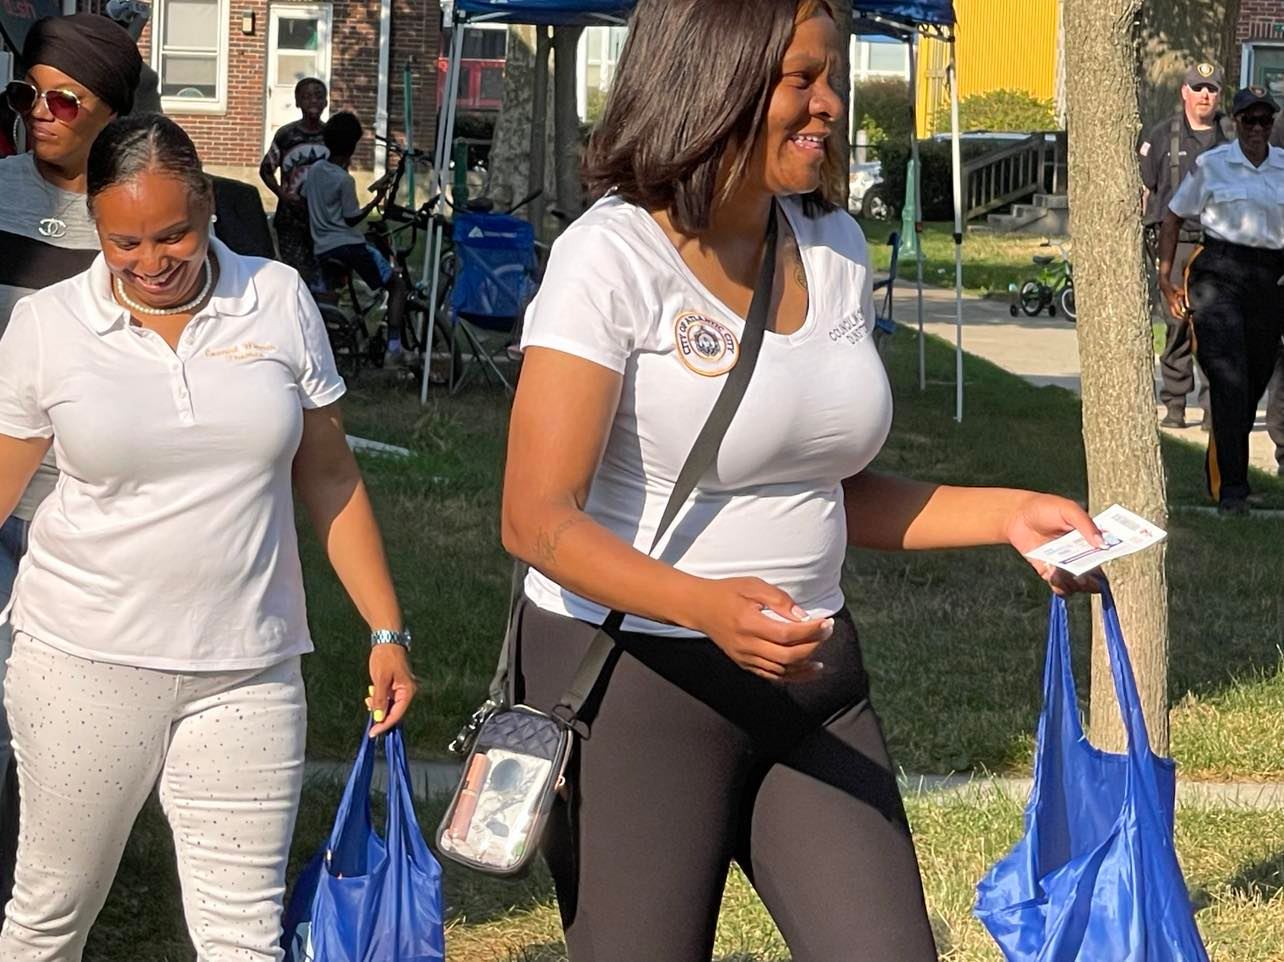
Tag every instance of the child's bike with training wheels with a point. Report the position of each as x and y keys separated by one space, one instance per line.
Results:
x=1052 y=286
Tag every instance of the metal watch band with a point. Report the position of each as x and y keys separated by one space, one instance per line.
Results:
x=386 y=636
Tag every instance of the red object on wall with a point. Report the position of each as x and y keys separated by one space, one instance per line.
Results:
x=481 y=84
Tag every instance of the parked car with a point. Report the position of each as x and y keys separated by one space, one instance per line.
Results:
x=867 y=197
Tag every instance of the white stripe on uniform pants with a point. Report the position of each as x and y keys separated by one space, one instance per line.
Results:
x=92 y=739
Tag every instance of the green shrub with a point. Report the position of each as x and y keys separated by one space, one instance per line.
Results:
x=882 y=109
x=937 y=177
x=1001 y=110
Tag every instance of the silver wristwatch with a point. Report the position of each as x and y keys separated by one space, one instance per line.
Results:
x=386 y=636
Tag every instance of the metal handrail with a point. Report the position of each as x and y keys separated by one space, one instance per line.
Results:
x=1011 y=173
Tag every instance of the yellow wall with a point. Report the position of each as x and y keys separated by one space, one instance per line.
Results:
x=1002 y=45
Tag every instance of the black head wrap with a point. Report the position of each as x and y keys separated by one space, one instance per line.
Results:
x=91 y=50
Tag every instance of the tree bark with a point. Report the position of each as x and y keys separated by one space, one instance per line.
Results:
x=510 y=151
x=539 y=138
x=566 y=121
x=1120 y=434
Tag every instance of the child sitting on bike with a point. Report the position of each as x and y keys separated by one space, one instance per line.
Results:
x=331 y=193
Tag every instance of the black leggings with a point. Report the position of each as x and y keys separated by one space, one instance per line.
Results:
x=692 y=762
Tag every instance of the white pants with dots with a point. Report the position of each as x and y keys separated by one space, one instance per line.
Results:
x=93 y=739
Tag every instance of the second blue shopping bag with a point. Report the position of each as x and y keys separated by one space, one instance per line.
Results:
x=364 y=898
x=1095 y=877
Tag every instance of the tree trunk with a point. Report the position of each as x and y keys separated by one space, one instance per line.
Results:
x=566 y=121
x=1120 y=434
x=1059 y=94
x=1176 y=34
x=539 y=128
x=510 y=151
x=843 y=132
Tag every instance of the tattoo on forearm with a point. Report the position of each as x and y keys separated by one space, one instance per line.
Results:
x=546 y=544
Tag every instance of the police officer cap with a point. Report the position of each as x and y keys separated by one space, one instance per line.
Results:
x=1203 y=73
x=1251 y=97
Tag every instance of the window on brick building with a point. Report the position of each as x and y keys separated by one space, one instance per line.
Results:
x=191 y=57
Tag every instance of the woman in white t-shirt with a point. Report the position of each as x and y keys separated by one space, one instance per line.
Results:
x=735 y=722
x=159 y=615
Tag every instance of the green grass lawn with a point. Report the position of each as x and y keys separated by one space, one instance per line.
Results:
x=971 y=624
x=954 y=641
x=990 y=261
x=1232 y=862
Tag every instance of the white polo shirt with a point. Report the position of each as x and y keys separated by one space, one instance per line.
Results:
x=1233 y=200
x=817 y=410
x=169 y=541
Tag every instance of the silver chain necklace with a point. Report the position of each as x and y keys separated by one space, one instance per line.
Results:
x=119 y=286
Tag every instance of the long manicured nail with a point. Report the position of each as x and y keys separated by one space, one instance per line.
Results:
x=370 y=691
x=798 y=613
x=378 y=715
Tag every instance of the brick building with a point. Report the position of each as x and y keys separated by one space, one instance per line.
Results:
x=228 y=67
x=1259 y=53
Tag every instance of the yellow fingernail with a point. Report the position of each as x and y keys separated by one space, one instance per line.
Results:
x=378 y=715
x=370 y=691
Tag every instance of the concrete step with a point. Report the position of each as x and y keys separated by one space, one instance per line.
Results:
x=1052 y=201
x=1022 y=216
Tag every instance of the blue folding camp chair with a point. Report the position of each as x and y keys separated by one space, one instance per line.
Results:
x=884 y=325
x=494 y=281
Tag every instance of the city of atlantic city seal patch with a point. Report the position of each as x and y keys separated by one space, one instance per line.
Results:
x=706 y=346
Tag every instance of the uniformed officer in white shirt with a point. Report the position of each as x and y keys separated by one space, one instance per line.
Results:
x=1231 y=290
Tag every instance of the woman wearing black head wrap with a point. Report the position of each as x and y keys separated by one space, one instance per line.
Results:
x=80 y=72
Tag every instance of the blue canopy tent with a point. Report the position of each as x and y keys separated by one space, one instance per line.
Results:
x=902 y=19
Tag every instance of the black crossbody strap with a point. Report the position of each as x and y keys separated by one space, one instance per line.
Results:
x=701 y=457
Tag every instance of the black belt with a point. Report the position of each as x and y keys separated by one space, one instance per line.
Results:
x=1183 y=236
x=1266 y=256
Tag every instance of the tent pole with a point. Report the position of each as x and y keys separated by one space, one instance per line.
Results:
x=918 y=204
x=957 y=164
x=445 y=134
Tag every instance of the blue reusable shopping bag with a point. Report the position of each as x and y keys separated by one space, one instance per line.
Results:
x=1096 y=877
x=363 y=898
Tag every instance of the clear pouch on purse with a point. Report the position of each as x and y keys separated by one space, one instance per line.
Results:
x=511 y=779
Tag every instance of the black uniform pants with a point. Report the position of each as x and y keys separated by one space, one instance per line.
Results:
x=692 y=762
x=1238 y=321
x=1177 y=361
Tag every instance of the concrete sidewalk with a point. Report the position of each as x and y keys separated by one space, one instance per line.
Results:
x=1043 y=350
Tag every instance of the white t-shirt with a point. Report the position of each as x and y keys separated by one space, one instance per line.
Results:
x=817 y=409
x=169 y=541
x=1233 y=200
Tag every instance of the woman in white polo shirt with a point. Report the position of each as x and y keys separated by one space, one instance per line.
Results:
x=735 y=723
x=159 y=613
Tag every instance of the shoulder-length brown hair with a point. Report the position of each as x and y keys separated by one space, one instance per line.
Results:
x=693 y=86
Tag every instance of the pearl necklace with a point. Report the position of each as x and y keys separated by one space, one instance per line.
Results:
x=191 y=305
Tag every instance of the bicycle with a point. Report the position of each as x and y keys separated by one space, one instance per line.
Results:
x=361 y=331
x=1053 y=285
